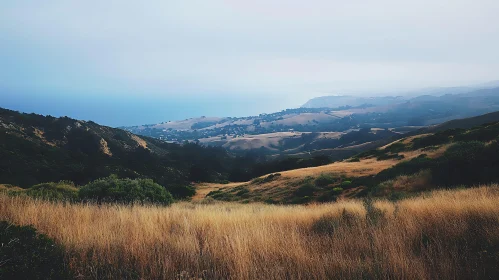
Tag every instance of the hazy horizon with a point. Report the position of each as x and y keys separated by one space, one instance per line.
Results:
x=126 y=63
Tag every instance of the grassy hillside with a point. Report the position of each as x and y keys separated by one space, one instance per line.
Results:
x=405 y=167
x=442 y=235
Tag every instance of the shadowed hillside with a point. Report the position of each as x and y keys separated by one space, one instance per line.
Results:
x=36 y=149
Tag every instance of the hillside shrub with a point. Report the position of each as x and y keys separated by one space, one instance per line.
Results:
x=337 y=190
x=112 y=189
x=324 y=180
x=63 y=190
x=220 y=195
x=24 y=254
x=346 y=184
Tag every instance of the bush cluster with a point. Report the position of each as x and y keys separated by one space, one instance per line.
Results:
x=109 y=189
x=63 y=190
x=112 y=189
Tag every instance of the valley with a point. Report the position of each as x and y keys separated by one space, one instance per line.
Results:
x=249 y=140
x=384 y=201
x=302 y=130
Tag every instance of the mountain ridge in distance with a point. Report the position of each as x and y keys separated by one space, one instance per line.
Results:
x=399 y=114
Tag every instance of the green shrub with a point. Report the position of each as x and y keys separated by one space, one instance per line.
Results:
x=63 y=190
x=112 y=189
x=324 y=180
x=24 y=254
x=337 y=190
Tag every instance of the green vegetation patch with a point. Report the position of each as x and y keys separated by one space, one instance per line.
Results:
x=346 y=184
x=112 y=189
x=63 y=190
x=221 y=195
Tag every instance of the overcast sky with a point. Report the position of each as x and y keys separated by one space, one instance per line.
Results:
x=233 y=57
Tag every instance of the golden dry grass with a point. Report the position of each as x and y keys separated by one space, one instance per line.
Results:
x=289 y=180
x=445 y=235
x=293 y=177
x=204 y=189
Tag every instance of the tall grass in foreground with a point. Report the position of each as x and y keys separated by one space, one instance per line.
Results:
x=444 y=235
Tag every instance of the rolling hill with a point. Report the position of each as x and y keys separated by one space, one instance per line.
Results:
x=459 y=156
x=277 y=133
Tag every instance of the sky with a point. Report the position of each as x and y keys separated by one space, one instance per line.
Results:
x=136 y=62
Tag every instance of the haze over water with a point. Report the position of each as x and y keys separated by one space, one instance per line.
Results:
x=107 y=62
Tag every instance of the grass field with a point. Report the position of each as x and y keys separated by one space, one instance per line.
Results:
x=442 y=235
